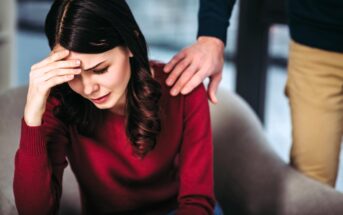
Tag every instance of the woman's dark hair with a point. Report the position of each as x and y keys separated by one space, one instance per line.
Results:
x=96 y=26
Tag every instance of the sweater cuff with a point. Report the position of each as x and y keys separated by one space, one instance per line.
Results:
x=32 y=139
x=190 y=209
x=213 y=28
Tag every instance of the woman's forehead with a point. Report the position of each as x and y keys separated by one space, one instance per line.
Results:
x=89 y=60
x=85 y=58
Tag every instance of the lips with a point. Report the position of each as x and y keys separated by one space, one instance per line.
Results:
x=101 y=99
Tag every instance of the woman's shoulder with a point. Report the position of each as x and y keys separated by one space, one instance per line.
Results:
x=159 y=75
x=157 y=70
x=196 y=95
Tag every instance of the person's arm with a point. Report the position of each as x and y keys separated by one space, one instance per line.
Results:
x=40 y=159
x=196 y=192
x=205 y=58
x=39 y=165
x=213 y=18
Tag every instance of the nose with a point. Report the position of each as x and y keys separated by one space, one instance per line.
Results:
x=89 y=85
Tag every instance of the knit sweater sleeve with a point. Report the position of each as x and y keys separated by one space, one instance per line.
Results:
x=196 y=195
x=39 y=165
x=213 y=18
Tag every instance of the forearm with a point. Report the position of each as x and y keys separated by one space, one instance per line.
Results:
x=195 y=205
x=34 y=190
x=32 y=186
x=213 y=18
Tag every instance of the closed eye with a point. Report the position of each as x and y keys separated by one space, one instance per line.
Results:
x=101 y=71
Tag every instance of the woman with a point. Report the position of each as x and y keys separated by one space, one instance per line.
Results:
x=97 y=101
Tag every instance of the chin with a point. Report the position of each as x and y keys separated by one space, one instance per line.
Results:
x=107 y=105
x=104 y=106
x=101 y=107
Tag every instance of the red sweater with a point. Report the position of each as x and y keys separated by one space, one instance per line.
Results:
x=176 y=174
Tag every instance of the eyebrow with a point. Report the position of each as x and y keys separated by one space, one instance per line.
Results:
x=93 y=66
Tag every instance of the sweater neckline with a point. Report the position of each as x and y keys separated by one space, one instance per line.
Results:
x=115 y=115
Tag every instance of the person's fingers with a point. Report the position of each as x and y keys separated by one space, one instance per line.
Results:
x=66 y=64
x=59 y=72
x=52 y=58
x=184 y=79
x=213 y=86
x=56 y=80
x=197 y=79
x=69 y=64
x=178 y=69
x=174 y=61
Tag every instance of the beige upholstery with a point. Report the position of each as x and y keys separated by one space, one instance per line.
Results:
x=249 y=177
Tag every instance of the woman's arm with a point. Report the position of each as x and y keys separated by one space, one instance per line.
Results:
x=196 y=195
x=39 y=164
x=40 y=159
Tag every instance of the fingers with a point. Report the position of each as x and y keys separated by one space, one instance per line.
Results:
x=51 y=71
x=186 y=75
x=52 y=58
x=197 y=79
x=69 y=64
x=191 y=66
x=59 y=72
x=174 y=61
x=45 y=86
x=54 y=74
x=213 y=86
x=179 y=68
x=57 y=80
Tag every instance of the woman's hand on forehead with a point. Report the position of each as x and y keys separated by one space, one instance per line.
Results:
x=44 y=75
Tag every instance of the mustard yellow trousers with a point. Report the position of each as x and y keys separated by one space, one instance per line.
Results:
x=315 y=91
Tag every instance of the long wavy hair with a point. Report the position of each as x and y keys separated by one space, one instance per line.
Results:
x=96 y=26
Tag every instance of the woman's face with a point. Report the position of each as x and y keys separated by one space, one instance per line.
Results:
x=104 y=77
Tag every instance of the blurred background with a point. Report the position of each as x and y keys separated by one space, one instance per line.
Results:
x=168 y=26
